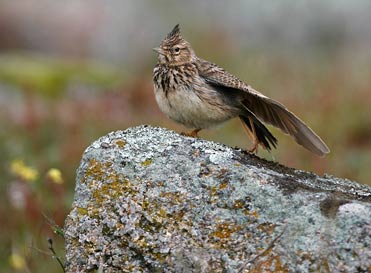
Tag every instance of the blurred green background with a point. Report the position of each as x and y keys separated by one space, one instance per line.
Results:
x=72 y=71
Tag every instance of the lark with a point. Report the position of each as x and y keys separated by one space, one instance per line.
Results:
x=199 y=94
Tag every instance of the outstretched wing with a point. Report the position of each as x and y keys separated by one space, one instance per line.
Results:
x=266 y=109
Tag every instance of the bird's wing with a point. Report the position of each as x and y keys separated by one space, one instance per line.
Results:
x=266 y=109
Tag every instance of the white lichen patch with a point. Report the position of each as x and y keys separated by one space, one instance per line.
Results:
x=355 y=209
x=217 y=157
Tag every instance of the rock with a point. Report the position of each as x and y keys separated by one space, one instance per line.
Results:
x=150 y=200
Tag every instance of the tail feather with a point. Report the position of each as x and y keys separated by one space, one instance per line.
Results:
x=264 y=137
x=276 y=114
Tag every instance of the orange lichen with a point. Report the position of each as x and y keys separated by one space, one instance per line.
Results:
x=267 y=227
x=269 y=264
x=223 y=185
x=238 y=204
x=172 y=197
x=225 y=230
x=253 y=213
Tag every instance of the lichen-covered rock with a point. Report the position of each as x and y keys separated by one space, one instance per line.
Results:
x=150 y=200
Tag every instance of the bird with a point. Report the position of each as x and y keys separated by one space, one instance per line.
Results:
x=200 y=94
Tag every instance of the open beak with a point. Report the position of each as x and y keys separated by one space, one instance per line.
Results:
x=158 y=50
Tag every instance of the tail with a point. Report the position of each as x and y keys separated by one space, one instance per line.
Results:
x=276 y=114
x=255 y=129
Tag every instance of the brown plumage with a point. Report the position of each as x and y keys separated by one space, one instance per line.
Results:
x=200 y=94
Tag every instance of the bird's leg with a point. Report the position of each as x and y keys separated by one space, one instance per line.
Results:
x=254 y=147
x=255 y=141
x=252 y=135
x=194 y=133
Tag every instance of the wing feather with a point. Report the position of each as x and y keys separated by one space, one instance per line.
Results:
x=265 y=109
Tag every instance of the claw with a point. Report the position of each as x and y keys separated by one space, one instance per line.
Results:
x=194 y=133
x=254 y=148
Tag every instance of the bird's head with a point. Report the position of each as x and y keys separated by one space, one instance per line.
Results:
x=174 y=50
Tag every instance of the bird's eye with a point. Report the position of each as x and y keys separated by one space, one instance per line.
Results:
x=176 y=49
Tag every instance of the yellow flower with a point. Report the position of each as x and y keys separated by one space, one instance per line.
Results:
x=20 y=169
x=17 y=262
x=55 y=175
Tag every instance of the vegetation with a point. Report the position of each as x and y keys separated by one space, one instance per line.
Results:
x=52 y=106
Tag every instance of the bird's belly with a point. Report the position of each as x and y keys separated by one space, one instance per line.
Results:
x=191 y=109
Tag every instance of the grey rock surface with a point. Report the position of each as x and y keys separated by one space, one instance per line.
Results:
x=150 y=200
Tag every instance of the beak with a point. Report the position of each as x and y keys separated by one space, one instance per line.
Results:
x=158 y=50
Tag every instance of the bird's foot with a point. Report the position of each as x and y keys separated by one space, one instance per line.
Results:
x=194 y=133
x=254 y=148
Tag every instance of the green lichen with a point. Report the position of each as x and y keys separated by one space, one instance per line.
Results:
x=82 y=211
x=115 y=186
x=146 y=162
x=120 y=143
x=106 y=230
